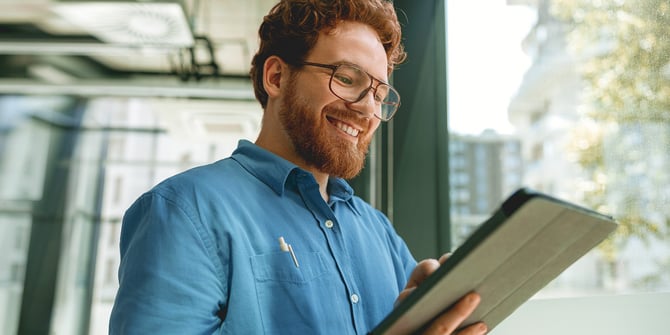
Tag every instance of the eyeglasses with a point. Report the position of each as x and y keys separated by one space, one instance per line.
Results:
x=352 y=84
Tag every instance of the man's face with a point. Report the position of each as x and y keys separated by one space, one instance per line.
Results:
x=330 y=154
x=327 y=132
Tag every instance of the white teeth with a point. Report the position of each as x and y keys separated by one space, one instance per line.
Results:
x=347 y=129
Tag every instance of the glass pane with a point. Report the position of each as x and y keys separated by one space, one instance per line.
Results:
x=101 y=154
x=24 y=152
x=153 y=139
x=569 y=97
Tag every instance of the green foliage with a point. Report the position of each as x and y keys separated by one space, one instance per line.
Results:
x=627 y=48
x=623 y=48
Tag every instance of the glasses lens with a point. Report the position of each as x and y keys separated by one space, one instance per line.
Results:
x=351 y=84
x=390 y=101
x=348 y=82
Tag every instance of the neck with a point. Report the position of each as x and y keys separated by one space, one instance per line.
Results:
x=323 y=185
x=286 y=151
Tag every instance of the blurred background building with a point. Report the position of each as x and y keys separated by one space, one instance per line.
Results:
x=484 y=169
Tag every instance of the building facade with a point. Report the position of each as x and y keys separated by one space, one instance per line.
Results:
x=483 y=170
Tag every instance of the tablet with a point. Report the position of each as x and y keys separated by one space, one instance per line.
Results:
x=526 y=243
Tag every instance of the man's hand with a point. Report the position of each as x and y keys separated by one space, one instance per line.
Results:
x=447 y=323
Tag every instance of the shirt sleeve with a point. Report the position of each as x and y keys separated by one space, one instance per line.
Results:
x=168 y=281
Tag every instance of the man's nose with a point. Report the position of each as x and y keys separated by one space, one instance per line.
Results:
x=366 y=105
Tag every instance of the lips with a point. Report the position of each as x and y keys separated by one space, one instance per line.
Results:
x=344 y=127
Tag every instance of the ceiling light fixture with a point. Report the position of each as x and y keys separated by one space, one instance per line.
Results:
x=161 y=24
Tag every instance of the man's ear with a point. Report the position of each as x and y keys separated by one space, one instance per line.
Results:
x=273 y=68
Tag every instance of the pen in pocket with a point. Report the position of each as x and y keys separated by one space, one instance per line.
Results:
x=283 y=246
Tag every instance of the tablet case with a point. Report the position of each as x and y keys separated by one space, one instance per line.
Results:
x=526 y=243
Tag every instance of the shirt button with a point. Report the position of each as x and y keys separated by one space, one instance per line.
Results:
x=354 y=298
x=329 y=224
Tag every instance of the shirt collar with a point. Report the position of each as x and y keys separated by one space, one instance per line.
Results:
x=274 y=171
x=339 y=189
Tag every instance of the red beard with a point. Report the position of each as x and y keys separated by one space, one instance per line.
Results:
x=334 y=156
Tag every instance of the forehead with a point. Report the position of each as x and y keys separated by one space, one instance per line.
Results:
x=353 y=43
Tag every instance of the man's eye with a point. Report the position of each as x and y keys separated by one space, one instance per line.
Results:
x=379 y=97
x=344 y=80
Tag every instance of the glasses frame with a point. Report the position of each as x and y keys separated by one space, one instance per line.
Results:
x=334 y=67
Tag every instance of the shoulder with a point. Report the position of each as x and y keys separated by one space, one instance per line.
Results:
x=189 y=188
x=201 y=178
x=368 y=211
x=218 y=171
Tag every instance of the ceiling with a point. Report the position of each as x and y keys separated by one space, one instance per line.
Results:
x=176 y=48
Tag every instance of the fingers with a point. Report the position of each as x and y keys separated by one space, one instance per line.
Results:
x=404 y=294
x=423 y=269
x=443 y=258
x=478 y=328
x=421 y=272
x=447 y=323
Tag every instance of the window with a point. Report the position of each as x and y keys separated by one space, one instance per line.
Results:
x=584 y=88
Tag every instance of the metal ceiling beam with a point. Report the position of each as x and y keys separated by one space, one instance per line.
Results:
x=231 y=89
x=63 y=47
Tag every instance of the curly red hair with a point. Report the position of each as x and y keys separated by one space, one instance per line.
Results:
x=292 y=27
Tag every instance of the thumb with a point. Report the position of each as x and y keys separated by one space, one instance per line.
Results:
x=423 y=269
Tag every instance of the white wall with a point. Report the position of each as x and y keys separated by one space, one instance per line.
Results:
x=647 y=314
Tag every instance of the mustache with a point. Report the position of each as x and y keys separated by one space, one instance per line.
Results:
x=348 y=115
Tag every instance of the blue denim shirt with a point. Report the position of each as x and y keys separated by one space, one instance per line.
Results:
x=200 y=254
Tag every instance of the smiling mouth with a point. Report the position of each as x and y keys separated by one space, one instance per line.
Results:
x=347 y=129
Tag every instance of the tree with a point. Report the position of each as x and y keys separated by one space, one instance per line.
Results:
x=629 y=40
x=623 y=48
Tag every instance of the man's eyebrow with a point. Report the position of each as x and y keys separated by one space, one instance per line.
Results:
x=344 y=62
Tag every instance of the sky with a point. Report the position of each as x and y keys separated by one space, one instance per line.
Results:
x=486 y=62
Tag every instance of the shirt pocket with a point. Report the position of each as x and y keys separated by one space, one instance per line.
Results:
x=280 y=267
x=309 y=299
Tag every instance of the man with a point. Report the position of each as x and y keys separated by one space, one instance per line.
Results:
x=272 y=240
